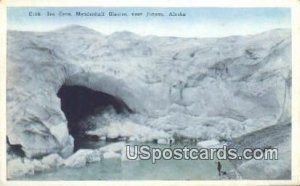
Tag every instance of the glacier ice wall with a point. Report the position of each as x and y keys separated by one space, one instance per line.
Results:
x=207 y=88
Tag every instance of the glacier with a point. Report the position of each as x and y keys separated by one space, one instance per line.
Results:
x=202 y=88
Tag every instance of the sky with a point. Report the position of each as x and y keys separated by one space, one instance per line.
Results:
x=198 y=22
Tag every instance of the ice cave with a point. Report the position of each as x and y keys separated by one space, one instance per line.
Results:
x=78 y=102
x=58 y=79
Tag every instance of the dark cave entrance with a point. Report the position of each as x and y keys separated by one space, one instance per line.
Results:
x=78 y=102
x=14 y=149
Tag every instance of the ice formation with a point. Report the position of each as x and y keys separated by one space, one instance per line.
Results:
x=25 y=166
x=210 y=88
x=208 y=143
x=127 y=129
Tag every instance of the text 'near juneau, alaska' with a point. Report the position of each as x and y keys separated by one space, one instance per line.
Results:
x=110 y=13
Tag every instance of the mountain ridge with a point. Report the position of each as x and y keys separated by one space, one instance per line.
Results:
x=77 y=27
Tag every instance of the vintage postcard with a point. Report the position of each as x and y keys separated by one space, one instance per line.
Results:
x=193 y=92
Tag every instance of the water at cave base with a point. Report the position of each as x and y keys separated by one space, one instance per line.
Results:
x=115 y=169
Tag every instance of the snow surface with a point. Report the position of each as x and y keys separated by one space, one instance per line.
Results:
x=211 y=88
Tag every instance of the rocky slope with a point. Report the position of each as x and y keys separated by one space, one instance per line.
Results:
x=275 y=137
x=200 y=88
